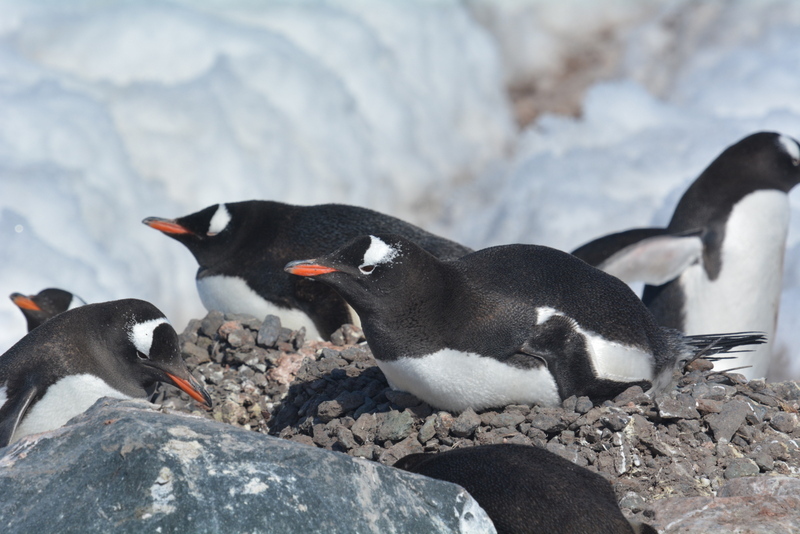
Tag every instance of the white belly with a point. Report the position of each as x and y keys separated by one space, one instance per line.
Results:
x=65 y=399
x=454 y=381
x=232 y=295
x=746 y=294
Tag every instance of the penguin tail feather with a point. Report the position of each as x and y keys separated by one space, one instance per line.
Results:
x=706 y=346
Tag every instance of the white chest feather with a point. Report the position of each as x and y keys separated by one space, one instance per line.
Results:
x=453 y=380
x=745 y=296
x=232 y=295
x=70 y=396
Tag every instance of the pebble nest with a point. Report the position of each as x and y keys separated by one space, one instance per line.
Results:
x=687 y=442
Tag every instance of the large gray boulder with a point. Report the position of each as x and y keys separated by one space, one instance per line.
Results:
x=123 y=466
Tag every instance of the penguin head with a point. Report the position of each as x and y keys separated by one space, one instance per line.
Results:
x=369 y=269
x=208 y=233
x=45 y=305
x=770 y=160
x=147 y=350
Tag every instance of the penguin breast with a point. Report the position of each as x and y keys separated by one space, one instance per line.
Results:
x=68 y=397
x=453 y=380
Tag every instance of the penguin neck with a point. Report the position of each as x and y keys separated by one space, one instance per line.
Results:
x=408 y=325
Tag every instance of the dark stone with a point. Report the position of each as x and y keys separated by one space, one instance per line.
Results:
x=783 y=422
x=269 y=331
x=615 y=421
x=548 y=424
x=394 y=426
x=728 y=420
x=741 y=467
x=465 y=424
x=569 y=403
x=428 y=430
x=499 y=420
x=680 y=406
x=149 y=471
x=786 y=390
x=633 y=394
x=583 y=405
x=211 y=323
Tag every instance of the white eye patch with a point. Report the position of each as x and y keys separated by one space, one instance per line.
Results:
x=219 y=221
x=141 y=334
x=377 y=253
x=791 y=147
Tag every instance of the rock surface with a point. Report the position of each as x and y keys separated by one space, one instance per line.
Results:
x=125 y=467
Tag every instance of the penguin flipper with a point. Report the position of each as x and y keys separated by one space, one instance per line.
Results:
x=12 y=412
x=655 y=259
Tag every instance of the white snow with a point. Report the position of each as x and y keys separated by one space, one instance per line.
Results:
x=114 y=111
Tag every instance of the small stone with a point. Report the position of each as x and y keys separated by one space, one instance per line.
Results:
x=569 y=403
x=337 y=338
x=764 y=461
x=680 y=406
x=728 y=420
x=192 y=350
x=394 y=426
x=211 y=323
x=548 y=423
x=615 y=421
x=583 y=405
x=783 y=422
x=410 y=445
x=699 y=364
x=633 y=502
x=634 y=394
x=706 y=406
x=345 y=437
x=465 y=424
x=499 y=420
x=741 y=467
x=786 y=390
x=428 y=430
x=269 y=331
x=364 y=428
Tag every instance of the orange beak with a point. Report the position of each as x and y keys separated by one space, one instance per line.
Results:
x=192 y=388
x=24 y=302
x=167 y=226
x=307 y=268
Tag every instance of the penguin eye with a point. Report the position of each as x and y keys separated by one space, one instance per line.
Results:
x=366 y=269
x=142 y=355
x=795 y=162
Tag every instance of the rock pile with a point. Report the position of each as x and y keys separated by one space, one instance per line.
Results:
x=714 y=427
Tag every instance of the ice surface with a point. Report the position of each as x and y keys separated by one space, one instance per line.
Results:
x=114 y=111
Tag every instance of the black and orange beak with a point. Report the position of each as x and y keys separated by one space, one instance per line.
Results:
x=307 y=268
x=24 y=303
x=193 y=388
x=168 y=226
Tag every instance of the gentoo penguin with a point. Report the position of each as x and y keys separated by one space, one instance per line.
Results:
x=514 y=324
x=529 y=490
x=45 y=304
x=62 y=367
x=718 y=266
x=242 y=248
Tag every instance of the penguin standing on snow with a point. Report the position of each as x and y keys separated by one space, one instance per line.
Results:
x=718 y=266
x=112 y=349
x=515 y=324
x=45 y=305
x=242 y=248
